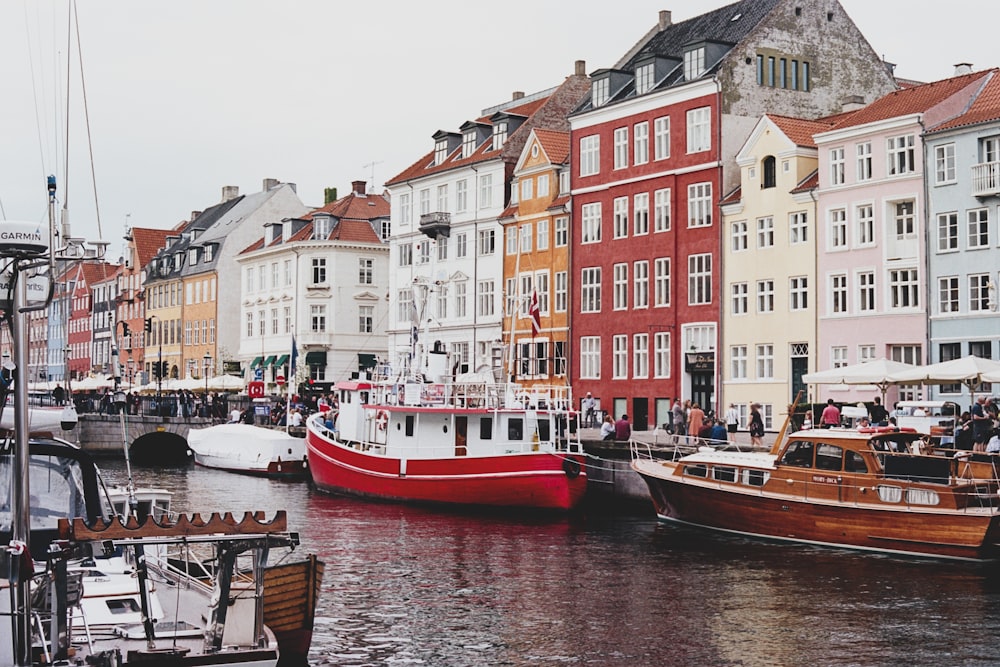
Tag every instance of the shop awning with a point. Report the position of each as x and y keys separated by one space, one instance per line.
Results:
x=282 y=360
x=316 y=358
x=256 y=362
x=269 y=360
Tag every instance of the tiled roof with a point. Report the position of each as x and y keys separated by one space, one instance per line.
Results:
x=509 y=212
x=985 y=108
x=559 y=202
x=556 y=144
x=355 y=207
x=425 y=165
x=148 y=242
x=357 y=231
x=95 y=272
x=909 y=100
x=734 y=196
x=810 y=182
x=799 y=130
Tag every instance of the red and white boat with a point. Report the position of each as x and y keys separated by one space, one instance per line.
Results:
x=468 y=441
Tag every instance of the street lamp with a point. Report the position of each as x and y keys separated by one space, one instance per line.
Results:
x=208 y=365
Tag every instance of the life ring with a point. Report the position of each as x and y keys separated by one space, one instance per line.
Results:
x=571 y=467
x=382 y=420
x=887 y=429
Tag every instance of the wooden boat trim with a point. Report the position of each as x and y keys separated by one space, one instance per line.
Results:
x=186 y=525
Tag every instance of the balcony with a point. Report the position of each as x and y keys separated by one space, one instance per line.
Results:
x=436 y=225
x=986 y=179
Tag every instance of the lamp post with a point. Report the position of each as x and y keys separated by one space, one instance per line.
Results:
x=208 y=365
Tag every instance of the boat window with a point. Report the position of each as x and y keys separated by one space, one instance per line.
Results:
x=889 y=494
x=855 y=463
x=829 y=457
x=799 y=454
x=922 y=497
x=544 y=430
x=699 y=470
x=364 y=397
x=724 y=474
x=515 y=428
x=122 y=606
x=486 y=428
x=756 y=477
x=410 y=423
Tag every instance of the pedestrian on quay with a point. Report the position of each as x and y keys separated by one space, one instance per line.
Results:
x=877 y=413
x=623 y=431
x=719 y=433
x=696 y=419
x=679 y=418
x=608 y=428
x=732 y=418
x=831 y=415
x=756 y=426
x=589 y=411
x=981 y=425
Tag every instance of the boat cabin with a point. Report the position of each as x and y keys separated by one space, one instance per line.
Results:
x=929 y=417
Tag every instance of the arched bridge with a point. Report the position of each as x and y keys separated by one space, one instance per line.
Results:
x=102 y=434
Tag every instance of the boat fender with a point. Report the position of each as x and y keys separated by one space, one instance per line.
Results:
x=382 y=419
x=571 y=467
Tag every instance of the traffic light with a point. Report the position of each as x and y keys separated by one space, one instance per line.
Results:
x=149 y=325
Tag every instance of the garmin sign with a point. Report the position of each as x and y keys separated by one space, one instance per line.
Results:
x=23 y=238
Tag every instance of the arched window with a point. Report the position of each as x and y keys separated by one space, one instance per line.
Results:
x=770 y=175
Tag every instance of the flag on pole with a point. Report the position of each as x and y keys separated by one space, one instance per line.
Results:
x=536 y=314
x=295 y=356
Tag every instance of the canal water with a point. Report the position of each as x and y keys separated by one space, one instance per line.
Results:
x=412 y=586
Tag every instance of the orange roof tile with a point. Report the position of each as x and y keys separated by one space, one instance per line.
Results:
x=799 y=130
x=555 y=143
x=984 y=109
x=734 y=196
x=148 y=242
x=810 y=182
x=558 y=202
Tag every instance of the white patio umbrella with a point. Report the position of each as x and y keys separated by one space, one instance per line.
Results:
x=226 y=383
x=970 y=371
x=877 y=372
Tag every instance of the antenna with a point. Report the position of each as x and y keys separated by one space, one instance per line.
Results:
x=372 y=165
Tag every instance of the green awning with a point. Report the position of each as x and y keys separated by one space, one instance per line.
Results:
x=282 y=360
x=269 y=360
x=316 y=358
x=256 y=362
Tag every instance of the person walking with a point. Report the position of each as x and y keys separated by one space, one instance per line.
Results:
x=589 y=411
x=732 y=418
x=623 y=431
x=679 y=418
x=831 y=415
x=756 y=426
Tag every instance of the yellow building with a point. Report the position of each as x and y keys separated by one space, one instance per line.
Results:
x=769 y=269
x=536 y=261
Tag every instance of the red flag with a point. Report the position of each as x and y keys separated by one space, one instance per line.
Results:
x=536 y=314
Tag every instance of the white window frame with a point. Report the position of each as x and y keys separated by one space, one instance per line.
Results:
x=700 y=204
x=590 y=223
x=640 y=143
x=640 y=356
x=619 y=357
x=661 y=207
x=640 y=214
x=640 y=284
x=661 y=268
x=621 y=147
x=619 y=293
x=620 y=217
x=798 y=227
x=590 y=289
x=590 y=155
x=944 y=164
x=590 y=357
x=661 y=138
x=699 y=130
x=699 y=279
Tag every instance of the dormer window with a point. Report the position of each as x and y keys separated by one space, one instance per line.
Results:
x=599 y=91
x=468 y=144
x=209 y=253
x=499 y=135
x=440 y=151
x=178 y=261
x=321 y=227
x=192 y=256
x=644 y=78
x=694 y=63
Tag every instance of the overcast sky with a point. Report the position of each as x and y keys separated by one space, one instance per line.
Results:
x=186 y=96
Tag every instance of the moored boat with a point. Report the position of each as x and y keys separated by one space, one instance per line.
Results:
x=873 y=490
x=463 y=442
x=250 y=450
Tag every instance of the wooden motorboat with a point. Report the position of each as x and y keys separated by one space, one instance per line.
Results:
x=873 y=489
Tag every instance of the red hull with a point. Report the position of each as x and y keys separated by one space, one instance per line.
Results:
x=537 y=480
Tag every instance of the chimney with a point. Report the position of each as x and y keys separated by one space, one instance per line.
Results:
x=329 y=195
x=518 y=95
x=194 y=215
x=963 y=68
x=665 y=20
x=358 y=187
x=230 y=192
x=270 y=184
x=852 y=103
x=580 y=68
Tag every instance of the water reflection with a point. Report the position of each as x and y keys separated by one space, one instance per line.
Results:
x=417 y=586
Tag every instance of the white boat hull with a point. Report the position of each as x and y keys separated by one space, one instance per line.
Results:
x=250 y=450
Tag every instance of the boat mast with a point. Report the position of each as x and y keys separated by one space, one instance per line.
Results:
x=516 y=301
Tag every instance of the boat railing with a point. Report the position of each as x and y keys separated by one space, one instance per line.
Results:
x=475 y=395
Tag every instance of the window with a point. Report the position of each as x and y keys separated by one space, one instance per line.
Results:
x=694 y=63
x=366 y=319
x=543 y=185
x=527 y=235
x=979 y=292
x=944 y=164
x=699 y=205
x=404 y=208
x=760 y=69
x=765 y=362
x=947 y=228
x=318 y=270
x=661 y=213
x=461 y=196
x=640 y=280
x=442 y=247
x=486 y=191
x=644 y=78
x=405 y=312
x=765 y=232
x=485 y=298
x=366 y=270
x=738 y=362
x=542 y=288
x=620 y=294
x=562 y=232
x=864 y=154
x=440 y=151
x=838 y=229
x=838 y=293
x=487 y=240
x=442 y=303
x=866 y=224
x=461 y=298
x=948 y=294
x=425 y=201
x=838 y=356
x=740 y=298
x=317 y=315
x=286 y=314
x=905 y=221
x=543 y=234
x=866 y=291
x=837 y=166
x=619 y=357
x=621 y=217
x=765 y=296
x=511 y=294
x=699 y=279
x=903 y=288
x=590 y=224
x=770 y=71
x=424 y=251
x=641 y=143
x=527 y=189
x=769 y=172
x=979 y=228
x=739 y=236
x=590 y=155
x=661 y=268
x=661 y=138
x=590 y=357
x=442 y=198
x=699 y=131
x=599 y=91
x=590 y=290
x=640 y=356
x=468 y=145
x=798 y=227
x=866 y=353
x=908 y=354
x=405 y=254
x=499 y=135
x=621 y=148
x=798 y=293
x=640 y=214
x=661 y=354
x=562 y=291
x=900 y=154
